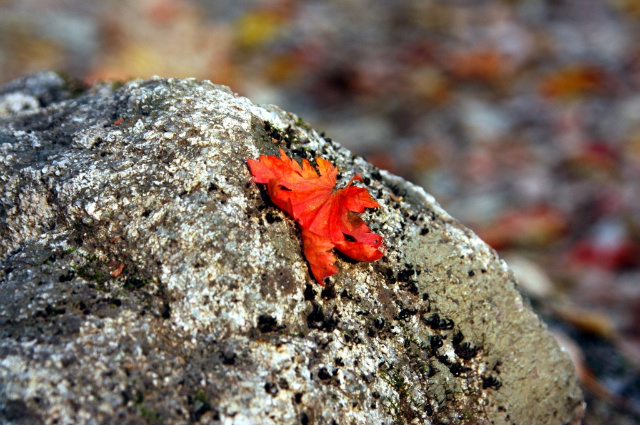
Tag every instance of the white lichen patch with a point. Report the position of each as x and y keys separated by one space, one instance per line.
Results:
x=14 y=103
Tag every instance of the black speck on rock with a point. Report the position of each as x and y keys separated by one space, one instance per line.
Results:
x=271 y=388
x=457 y=339
x=428 y=409
x=283 y=383
x=329 y=324
x=411 y=288
x=379 y=323
x=405 y=274
x=328 y=293
x=304 y=419
x=272 y=218
x=390 y=275
x=309 y=292
x=324 y=374
x=435 y=342
x=228 y=358
x=435 y=322
x=54 y=311
x=267 y=323
x=405 y=313
x=17 y=410
x=317 y=320
x=67 y=276
x=457 y=369
x=166 y=311
x=133 y=283
x=463 y=350
x=491 y=382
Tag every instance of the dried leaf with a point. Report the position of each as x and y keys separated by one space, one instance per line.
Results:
x=326 y=216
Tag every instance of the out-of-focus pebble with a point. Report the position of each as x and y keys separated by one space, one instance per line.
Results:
x=532 y=279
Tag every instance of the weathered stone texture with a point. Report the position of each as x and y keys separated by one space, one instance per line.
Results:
x=214 y=317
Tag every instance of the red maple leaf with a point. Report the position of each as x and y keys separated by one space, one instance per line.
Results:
x=326 y=216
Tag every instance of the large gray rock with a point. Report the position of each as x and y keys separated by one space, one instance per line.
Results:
x=146 y=280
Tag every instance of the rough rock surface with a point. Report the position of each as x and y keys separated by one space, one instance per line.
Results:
x=144 y=279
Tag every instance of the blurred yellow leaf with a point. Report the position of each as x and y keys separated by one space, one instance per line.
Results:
x=572 y=81
x=258 y=28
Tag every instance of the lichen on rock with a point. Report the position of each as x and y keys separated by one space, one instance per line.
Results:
x=213 y=316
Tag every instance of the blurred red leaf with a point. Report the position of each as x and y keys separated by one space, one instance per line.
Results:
x=488 y=65
x=589 y=253
x=537 y=226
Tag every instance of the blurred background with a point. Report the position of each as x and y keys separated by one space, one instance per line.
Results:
x=521 y=117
